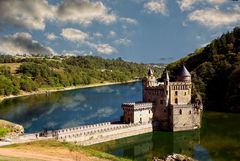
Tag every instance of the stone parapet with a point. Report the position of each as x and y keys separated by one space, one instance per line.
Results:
x=138 y=105
x=110 y=132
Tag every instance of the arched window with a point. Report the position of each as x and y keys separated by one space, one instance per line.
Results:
x=190 y=112
x=180 y=111
x=176 y=100
x=176 y=93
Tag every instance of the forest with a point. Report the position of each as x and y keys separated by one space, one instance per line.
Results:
x=215 y=71
x=33 y=73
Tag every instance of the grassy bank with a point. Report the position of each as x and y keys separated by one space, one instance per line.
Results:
x=49 y=147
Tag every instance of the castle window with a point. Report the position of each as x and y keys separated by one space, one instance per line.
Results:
x=190 y=112
x=176 y=100
x=176 y=93
x=166 y=91
x=180 y=111
x=161 y=102
x=185 y=93
x=149 y=111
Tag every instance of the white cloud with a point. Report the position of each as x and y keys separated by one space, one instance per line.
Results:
x=74 y=35
x=186 y=5
x=51 y=36
x=28 y=14
x=214 y=18
x=216 y=2
x=32 y=14
x=112 y=34
x=104 y=48
x=123 y=41
x=156 y=6
x=129 y=20
x=97 y=34
x=84 y=12
x=204 y=44
x=22 y=43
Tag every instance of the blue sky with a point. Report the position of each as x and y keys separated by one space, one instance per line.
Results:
x=148 y=31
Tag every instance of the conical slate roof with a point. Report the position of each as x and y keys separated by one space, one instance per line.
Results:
x=184 y=75
x=150 y=72
x=184 y=72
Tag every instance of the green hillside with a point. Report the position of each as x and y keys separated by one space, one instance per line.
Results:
x=33 y=73
x=216 y=72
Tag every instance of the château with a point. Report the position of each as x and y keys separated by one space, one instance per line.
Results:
x=167 y=105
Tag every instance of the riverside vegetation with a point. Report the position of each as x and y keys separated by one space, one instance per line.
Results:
x=33 y=73
x=215 y=72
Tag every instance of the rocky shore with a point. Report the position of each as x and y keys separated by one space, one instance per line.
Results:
x=9 y=129
x=175 y=157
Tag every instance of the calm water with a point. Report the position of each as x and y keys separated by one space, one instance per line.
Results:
x=219 y=138
x=70 y=108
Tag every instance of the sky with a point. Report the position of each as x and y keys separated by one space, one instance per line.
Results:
x=143 y=31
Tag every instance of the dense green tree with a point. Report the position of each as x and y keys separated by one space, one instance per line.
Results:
x=215 y=71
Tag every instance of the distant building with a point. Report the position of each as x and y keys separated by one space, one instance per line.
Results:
x=166 y=104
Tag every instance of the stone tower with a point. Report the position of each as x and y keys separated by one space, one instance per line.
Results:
x=172 y=109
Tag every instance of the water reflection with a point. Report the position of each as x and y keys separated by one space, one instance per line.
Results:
x=156 y=144
x=219 y=141
x=70 y=108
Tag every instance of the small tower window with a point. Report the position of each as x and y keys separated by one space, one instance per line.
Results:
x=176 y=100
x=149 y=111
x=161 y=102
x=180 y=111
x=190 y=112
x=185 y=93
x=176 y=93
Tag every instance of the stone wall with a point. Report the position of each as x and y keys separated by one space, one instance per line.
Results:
x=185 y=117
x=180 y=91
x=97 y=133
x=137 y=112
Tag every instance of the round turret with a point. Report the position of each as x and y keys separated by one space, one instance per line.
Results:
x=150 y=80
x=184 y=75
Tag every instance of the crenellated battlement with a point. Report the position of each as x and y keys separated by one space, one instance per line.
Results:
x=82 y=128
x=95 y=133
x=138 y=105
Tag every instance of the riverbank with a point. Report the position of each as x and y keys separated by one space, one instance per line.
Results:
x=51 y=150
x=58 y=89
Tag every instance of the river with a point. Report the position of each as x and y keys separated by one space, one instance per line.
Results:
x=218 y=139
